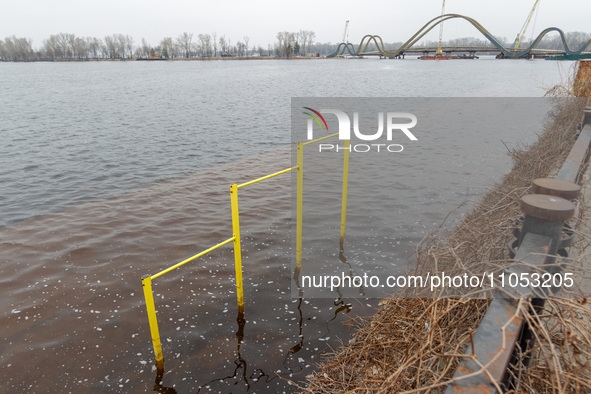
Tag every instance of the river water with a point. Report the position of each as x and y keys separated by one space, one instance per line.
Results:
x=112 y=170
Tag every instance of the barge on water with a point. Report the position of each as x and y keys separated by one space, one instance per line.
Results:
x=447 y=57
x=569 y=57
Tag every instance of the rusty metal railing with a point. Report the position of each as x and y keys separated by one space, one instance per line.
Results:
x=502 y=333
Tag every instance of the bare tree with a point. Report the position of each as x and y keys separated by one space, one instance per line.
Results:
x=167 y=47
x=94 y=46
x=80 y=49
x=184 y=42
x=52 y=48
x=63 y=41
x=223 y=45
x=215 y=43
x=306 y=40
x=195 y=48
x=240 y=48
x=246 y=40
x=144 y=48
x=129 y=45
x=301 y=38
x=105 y=49
x=200 y=48
x=208 y=47
x=285 y=43
x=118 y=46
x=205 y=44
x=279 y=45
x=17 y=49
x=111 y=46
x=121 y=43
x=71 y=39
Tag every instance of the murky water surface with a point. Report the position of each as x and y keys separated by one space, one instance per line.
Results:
x=109 y=171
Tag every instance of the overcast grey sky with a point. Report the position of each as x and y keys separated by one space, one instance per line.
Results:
x=394 y=20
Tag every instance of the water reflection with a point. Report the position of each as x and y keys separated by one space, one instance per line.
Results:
x=299 y=345
x=158 y=383
x=243 y=379
x=344 y=261
x=164 y=390
x=240 y=373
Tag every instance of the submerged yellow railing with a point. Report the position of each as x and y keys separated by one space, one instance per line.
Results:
x=236 y=229
x=147 y=279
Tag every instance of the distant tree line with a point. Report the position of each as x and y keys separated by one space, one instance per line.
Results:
x=16 y=49
x=550 y=41
x=67 y=46
x=294 y=44
x=327 y=48
x=575 y=40
x=461 y=42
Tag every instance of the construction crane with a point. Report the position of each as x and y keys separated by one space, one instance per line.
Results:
x=521 y=33
x=439 y=51
x=345 y=33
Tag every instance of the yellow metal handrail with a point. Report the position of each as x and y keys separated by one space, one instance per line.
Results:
x=149 y=296
x=344 y=192
x=236 y=229
x=266 y=177
x=147 y=279
x=191 y=258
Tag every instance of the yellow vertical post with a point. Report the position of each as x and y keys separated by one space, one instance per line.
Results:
x=299 y=203
x=149 y=296
x=237 y=248
x=344 y=195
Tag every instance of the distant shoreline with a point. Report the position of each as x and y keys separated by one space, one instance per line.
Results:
x=133 y=59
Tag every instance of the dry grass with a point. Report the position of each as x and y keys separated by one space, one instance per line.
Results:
x=412 y=344
x=582 y=82
x=561 y=357
x=577 y=84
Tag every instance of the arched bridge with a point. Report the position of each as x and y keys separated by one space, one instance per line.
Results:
x=497 y=45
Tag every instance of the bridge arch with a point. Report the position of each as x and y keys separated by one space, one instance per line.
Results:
x=430 y=25
x=344 y=47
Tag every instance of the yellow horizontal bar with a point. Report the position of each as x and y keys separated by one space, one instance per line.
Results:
x=320 y=139
x=267 y=177
x=191 y=258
